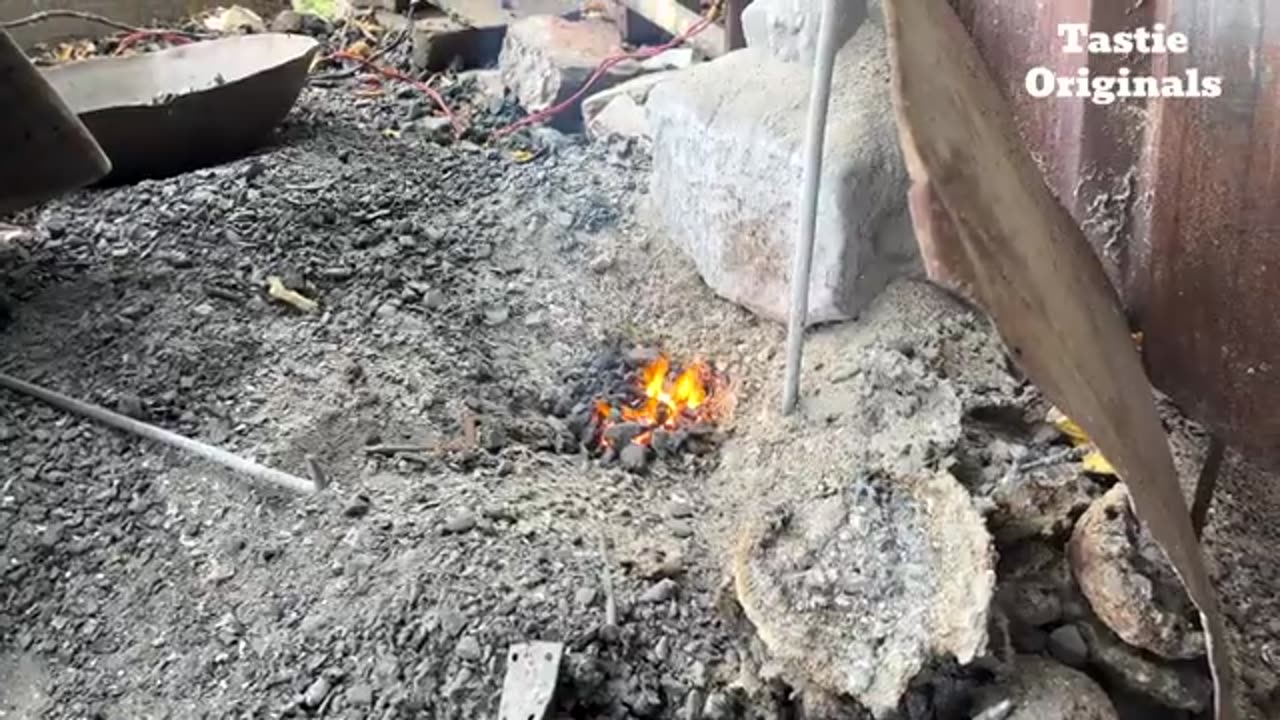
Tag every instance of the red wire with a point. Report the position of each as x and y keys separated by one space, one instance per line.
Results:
x=397 y=75
x=599 y=72
x=128 y=41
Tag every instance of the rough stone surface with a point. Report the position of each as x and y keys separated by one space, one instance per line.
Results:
x=1177 y=685
x=545 y=59
x=1129 y=582
x=636 y=89
x=623 y=117
x=788 y=29
x=1041 y=689
x=727 y=177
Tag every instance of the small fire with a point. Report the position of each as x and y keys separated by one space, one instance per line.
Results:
x=667 y=402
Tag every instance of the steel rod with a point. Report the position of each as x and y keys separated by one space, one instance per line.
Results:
x=160 y=435
x=815 y=139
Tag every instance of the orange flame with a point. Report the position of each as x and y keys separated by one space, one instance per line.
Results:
x=668 y=402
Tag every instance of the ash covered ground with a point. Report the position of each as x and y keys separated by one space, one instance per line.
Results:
x=140 y=583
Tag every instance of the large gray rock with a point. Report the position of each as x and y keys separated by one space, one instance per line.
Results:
x=788 y=29
x=727 y=173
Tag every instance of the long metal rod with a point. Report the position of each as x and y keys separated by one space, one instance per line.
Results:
x=160 y=435
x=815 y=139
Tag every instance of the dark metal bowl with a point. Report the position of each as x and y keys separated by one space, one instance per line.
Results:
x=162 y=113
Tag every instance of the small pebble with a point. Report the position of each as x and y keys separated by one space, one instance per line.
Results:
x=357 y=507
x=661 y=591
x=634 y=457
x=584 y=597
x=316 y=693
x=459 y=524
x=681 y=528
x=496 y=316
x=681 y=509
x=1068 y=646
x=468 y=648
x=360 y=695
x=601 y=263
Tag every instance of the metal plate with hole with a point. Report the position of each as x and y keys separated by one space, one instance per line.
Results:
x=530 y=684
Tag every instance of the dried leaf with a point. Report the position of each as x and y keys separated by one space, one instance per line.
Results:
x=360 y=49
x=522 y=156
x=277 y=290
x=1093 y=462
x=391 y=133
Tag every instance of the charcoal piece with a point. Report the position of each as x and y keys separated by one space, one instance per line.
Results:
x=668 y=443
x=623 y=433
x=634 y=458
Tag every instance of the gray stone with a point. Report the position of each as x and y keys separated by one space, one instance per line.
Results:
x=1041 y=689
x=1068 y=646
x=622 y=117
x=1130 y=583
x=636 y=88
x=316 y=693
x=1181 y=685
x=727 y=172
x=546 y=59
x=788 y=29
x=469 y=649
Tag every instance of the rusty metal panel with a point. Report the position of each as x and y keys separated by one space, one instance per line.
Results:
x=1179 y=197
x=1206 y=288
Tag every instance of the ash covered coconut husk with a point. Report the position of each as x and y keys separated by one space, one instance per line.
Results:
x=856 y=554
x=859 y=589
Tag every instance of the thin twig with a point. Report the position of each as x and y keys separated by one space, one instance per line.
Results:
x=44 y=15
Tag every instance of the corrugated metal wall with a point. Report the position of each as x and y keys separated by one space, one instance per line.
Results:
x=1179 y=196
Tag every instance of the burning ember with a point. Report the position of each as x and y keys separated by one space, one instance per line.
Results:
x=666 y=403
x=632 y=406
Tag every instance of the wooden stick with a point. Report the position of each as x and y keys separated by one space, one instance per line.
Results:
x=160 y=435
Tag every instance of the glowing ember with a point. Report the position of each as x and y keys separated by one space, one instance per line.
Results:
x=663 y=401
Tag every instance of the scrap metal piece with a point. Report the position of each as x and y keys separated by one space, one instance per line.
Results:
x=533 y=669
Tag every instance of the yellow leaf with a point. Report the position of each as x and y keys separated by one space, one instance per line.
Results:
x=277 y=290
x=1095 y=463
x=1067 y=427
x=522 y=156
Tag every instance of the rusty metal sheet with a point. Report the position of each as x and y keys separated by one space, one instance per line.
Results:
x=1207 y=290
x=1180 y=198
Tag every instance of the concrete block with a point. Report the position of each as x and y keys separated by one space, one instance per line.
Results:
x=727 y=170
x=546 y=59
x=788 y=29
